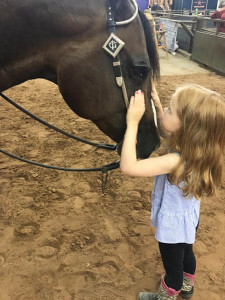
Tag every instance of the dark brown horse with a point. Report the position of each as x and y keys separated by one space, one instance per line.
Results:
x=61 y=41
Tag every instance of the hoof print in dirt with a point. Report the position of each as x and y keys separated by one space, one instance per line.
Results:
x=27 y=230
x=2 y=260
x=80 y=241
x=46 y=252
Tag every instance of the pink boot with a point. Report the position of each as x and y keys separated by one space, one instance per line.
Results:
x=164 y=293
x=188 y=286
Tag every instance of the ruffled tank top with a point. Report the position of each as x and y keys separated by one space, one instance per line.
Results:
x=174 y=216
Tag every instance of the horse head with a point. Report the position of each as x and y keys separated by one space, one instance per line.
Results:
x=62 y=41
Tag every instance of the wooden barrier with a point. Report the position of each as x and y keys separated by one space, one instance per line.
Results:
x=160 y=35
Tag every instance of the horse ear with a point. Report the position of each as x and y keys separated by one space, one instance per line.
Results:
x=118 y=4
x=120 y=7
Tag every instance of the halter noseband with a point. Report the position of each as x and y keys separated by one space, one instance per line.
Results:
x=113 y=45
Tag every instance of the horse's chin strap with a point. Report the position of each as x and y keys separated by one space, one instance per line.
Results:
x=113 y=45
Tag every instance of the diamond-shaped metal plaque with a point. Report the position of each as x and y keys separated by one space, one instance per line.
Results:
x=113 y=45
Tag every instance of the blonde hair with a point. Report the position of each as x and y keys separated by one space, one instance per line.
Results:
x=200 y=140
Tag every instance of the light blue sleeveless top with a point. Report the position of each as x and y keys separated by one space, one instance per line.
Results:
x=174 y=216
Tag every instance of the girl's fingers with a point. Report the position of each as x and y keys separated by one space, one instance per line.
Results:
x=137 y=101
x=139 y=95
x=136 y=108
x=139 y=92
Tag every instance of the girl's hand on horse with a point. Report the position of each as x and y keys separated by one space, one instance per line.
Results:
x=159 y=111
x=136 y=108
x=155 y=96
x=157 y=102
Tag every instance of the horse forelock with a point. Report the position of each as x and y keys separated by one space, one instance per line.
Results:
x=151 y=46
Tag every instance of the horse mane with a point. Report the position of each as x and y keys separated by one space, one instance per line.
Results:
x=151 y=48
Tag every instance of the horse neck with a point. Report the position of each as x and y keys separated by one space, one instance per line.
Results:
x=33 y=48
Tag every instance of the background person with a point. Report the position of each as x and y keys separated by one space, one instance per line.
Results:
x=142 y=4
x=220 y=14
x=156 y=6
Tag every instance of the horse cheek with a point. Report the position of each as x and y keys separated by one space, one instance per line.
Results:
x=92 y=93
x=78 y=87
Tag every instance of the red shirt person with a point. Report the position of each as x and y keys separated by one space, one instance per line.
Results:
x=220 y=14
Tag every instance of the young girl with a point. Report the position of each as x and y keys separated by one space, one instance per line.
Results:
x=194 y=124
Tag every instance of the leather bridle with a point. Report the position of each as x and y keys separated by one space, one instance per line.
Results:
x=114 y=44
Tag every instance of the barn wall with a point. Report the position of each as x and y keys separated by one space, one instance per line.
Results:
x=209 y=49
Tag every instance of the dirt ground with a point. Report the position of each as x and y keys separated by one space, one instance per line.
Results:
x=61 y=238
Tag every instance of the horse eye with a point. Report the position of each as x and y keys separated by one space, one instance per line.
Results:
x=139 y=72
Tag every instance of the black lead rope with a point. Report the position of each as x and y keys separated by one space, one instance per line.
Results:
x=104 y=169
x=98 y=145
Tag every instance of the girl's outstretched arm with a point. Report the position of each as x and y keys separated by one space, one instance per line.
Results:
x=134 y=114
x=129 y=163
x=159 y=111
